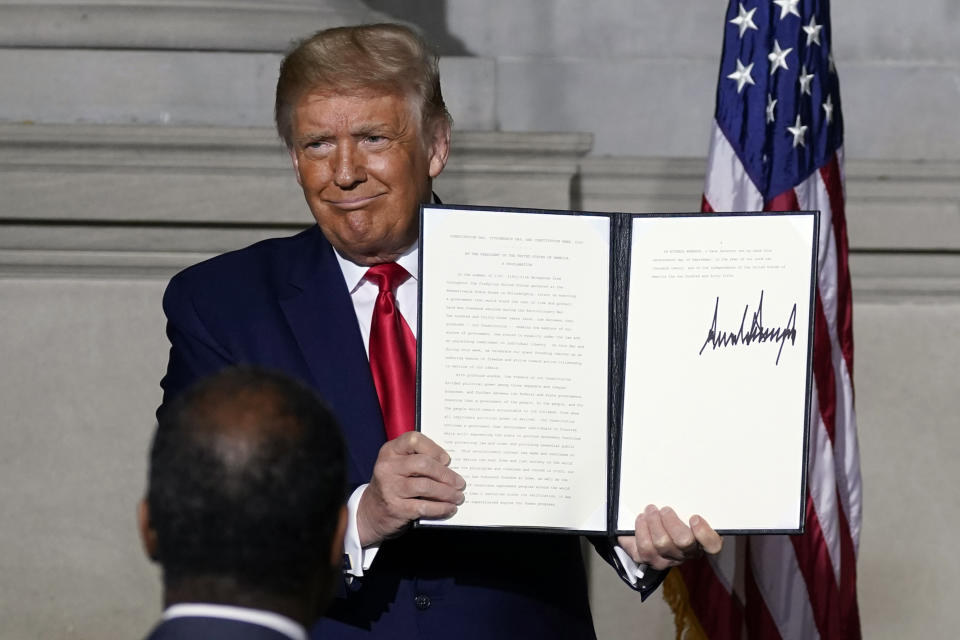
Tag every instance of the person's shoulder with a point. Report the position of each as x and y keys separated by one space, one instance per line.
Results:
x=212 y=628
x=247 y=281
x=260 y=267
x=262 y=258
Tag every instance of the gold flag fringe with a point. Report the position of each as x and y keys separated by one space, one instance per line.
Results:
x=676 y=594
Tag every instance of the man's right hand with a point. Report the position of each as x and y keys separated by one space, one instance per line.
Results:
x=411 y=479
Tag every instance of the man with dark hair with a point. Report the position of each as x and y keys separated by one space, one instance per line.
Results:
x=363 y=118
x=245 y=508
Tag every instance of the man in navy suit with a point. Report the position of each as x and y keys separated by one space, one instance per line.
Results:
x=245 y=508
x=361 y=113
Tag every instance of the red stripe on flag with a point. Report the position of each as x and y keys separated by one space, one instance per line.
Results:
x=786 y=201
x=705 y=206
x=850 y=611
x=718 y=611
x=835 y=608
x=830 y=173
x=831 y=178
x=760 y=624
x=813 y=560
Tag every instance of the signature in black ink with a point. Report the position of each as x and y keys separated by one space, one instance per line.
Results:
x=756 y=333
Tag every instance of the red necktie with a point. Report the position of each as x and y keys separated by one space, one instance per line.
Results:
x=393 y=352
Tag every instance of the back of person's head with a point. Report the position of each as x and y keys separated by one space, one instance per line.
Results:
x=246 y=491
x=380 y=58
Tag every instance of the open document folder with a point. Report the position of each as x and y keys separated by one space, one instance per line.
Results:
x=579 y=366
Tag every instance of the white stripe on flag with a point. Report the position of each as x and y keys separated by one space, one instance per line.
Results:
x=846 y=449
x=728 y=187
x=783 y=587
x=822 y=485
x=814 y=194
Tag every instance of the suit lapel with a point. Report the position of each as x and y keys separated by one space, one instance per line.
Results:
x=321 y=315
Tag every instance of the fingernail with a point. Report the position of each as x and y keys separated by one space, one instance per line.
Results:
x=694 y=521
x=460 y=499
x=666 y=510
x=651 y=508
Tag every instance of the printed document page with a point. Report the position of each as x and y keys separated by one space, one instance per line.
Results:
x=513 y=363
x=716 y=369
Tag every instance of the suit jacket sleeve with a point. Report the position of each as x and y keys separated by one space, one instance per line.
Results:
x=651 y=580
x=194 y=352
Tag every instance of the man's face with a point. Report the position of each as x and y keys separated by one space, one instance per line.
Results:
x=365 y=166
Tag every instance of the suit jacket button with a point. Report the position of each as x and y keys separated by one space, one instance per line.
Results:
x=422 y=602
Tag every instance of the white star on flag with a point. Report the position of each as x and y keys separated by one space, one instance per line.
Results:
x=787 y=7
x=805 y=80
x=813 y=31
x=742 y=75
x=744 y=20
x=797 y=131
x=828 y=109
x=778 y=57
x=771 y=105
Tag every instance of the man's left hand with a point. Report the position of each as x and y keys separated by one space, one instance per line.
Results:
x=661 y=539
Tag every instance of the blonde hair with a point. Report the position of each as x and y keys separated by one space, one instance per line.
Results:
x=381 y=57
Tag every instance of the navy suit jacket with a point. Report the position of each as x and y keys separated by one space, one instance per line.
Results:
x=203 y=628
x=283 y=304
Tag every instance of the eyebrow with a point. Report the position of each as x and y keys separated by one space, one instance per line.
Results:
x=311 y=136
x=361 y=130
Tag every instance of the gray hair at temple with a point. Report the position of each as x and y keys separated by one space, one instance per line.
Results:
x=388 y=58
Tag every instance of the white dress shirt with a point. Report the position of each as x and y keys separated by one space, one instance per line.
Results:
x=363 y=293
x=269 y=619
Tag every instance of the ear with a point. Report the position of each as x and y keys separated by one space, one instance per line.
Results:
x=439 y=147
x=336 y=549
x=147 y=535
x=296 y=164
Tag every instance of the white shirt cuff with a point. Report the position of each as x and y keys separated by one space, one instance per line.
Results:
x=358 y=558
x=634 y=571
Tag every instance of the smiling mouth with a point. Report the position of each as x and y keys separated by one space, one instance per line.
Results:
x=352 y=204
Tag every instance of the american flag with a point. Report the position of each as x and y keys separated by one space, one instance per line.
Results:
x=777 y=145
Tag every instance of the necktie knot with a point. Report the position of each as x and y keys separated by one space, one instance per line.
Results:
x=387 y=276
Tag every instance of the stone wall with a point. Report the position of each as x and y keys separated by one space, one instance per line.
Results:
x=641 y=75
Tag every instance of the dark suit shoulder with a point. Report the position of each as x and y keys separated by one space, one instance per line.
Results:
x=264 y=265
x=237 y=287
x=203 y=628
x=228 y=309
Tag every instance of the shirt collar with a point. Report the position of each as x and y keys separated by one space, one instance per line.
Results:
x=353 y=273
x=269 y=619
